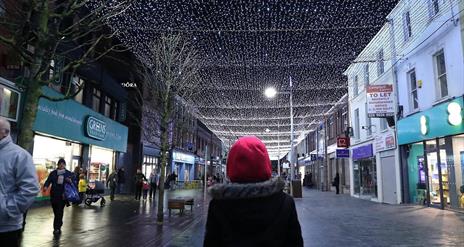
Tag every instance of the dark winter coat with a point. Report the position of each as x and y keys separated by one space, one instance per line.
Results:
x=57 y=190
x=252 y=214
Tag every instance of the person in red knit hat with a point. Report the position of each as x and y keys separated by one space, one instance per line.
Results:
x=252 y=210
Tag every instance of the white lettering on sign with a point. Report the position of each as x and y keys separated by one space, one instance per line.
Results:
x=454 y=114
x=424 y=125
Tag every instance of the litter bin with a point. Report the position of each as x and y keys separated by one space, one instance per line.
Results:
x=296 y=189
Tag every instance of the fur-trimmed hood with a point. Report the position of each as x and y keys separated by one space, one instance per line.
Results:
x=233 y=191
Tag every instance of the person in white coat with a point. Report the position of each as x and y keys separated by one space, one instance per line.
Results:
x=18 y=186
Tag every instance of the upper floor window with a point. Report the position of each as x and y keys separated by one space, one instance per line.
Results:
x=434 y=7
x=366 y=74
x=9 y=103
x=440 y=69
x=413 y=100
x=380 y=63
x=77 y=86
x=407 y=28
x=330 y=126
x=344 y=118
x=96 y=97
x=355 y=86
x=108 y=103
x=356 y=124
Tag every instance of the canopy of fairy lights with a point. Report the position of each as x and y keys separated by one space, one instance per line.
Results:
x=246 y=46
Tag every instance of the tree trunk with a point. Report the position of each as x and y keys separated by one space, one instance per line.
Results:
x=26 y=135
x=164 y=160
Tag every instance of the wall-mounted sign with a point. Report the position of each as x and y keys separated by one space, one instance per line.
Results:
x=343 y=142
x=343 y=153
x=363 y=152
x=95 y=128
x=385 y=141
x=183 y=157
x=380 y=101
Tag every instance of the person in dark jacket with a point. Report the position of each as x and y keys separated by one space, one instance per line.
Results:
x=57 y=179
x=112 y=183
x=121 y=180
x=139 y=178
x=252 y=210
x=336 y=183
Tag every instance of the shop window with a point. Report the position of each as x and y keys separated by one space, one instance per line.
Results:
x=9 y=103
x=101 y=164
x=108 y=103
x=413 y=100
x=96 y=97
x=149 y=163
x=407 y=29
x=440 y=68
x=380 y=63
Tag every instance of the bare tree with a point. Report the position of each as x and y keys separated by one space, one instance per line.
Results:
x=169 y=74
x=54 y=38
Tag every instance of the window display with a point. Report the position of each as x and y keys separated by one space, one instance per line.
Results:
x=47 y=152
x=101 y=164
x=365 y=178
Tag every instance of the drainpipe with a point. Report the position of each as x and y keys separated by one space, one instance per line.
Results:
x=394 y=60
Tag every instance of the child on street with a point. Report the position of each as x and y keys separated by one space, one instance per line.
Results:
x=82 y=187
x=146 y=187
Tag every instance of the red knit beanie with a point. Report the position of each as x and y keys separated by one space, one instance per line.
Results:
x=248 y=161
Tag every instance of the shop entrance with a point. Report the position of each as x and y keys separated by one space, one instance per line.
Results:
x=365 y=178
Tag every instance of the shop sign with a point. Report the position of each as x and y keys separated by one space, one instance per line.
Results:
x=343 y=142
x=69 y=120
x=363 y=152
x=183 y=157
x=385 y=142
x=444 y=119
x=380 y=101
x=96 y=128
x=343 y=153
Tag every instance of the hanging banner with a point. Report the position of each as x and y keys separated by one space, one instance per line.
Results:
x=380 y=101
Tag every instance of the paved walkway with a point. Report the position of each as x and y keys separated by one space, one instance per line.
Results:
x=326 y=219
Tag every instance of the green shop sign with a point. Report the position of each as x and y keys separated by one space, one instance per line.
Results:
x=72 y=121
x=442 y=120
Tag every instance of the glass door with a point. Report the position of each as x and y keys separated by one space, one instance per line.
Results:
x=434 y=195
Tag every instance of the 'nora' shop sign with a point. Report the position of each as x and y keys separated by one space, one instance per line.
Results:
x=70 y=120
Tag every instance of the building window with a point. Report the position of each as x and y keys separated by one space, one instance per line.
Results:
x=407 y=28
x=9 y=103
x=383 y=124
x=114 y=110
x=368 y=126
x=108 y=103
x=330 y=126
x=440 y=67
x=96 y=96
x=413 y=101
x=356 y=124
x=434 y=7
x=78 y=84
x=355 y=86
x=366 y=75
x=380 y=63
x=344 y=118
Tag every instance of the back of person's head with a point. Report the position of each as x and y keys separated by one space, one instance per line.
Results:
x=81 y=176
x=248 y=161
x=5 y=127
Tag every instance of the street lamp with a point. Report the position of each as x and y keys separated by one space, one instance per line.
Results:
x=271 y=92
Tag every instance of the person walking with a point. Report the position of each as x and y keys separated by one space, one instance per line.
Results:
x=154 y=180
x=57 y=180
x=252 y=210
x=18 y=186
x=121 y=180
x=112 y=183
x=139 y=178
x=336 y=183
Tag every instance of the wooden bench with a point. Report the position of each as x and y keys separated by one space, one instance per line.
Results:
x=176 y=204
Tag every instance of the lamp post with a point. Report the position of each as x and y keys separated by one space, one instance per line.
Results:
x=271 y=92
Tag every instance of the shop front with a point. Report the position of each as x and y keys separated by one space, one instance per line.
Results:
x=184 y=166
x=151 y=159
x=82 y=137
x=432 y=143
x=364 y=172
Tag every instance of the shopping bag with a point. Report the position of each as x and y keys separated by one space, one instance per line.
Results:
x=70 y=193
